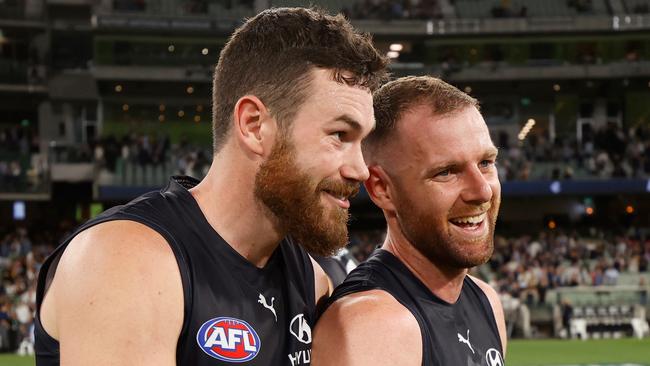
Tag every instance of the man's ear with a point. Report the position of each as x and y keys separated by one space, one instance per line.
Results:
x=380 y=188
x=254 y=126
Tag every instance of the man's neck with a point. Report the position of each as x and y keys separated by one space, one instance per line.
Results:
x=445 y=283
x=227 y=201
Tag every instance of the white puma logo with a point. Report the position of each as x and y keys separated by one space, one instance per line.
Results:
x=462 y=339
x=262 y=301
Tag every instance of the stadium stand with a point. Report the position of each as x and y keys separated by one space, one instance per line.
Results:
x=103 y=100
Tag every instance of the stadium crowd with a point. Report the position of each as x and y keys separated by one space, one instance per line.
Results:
x=610 y=152
x=21 y=254
x=20 y=163
x=602 y=153
x=144 y=149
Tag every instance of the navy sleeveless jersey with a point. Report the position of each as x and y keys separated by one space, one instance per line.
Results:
x=234 y=311
x=459 y=334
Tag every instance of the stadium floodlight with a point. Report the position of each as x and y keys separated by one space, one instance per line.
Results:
x=555 y=187
x=397 y=47
x=19 y=211
x=392 y=54
x=205 y=51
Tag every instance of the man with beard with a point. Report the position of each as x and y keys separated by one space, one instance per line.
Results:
x=432 y=172
x=217 y=272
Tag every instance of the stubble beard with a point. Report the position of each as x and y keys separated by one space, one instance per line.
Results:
x=294 y=199
x=433 y=238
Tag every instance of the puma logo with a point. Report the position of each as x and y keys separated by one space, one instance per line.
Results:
x=462 y=339
x=262 y=301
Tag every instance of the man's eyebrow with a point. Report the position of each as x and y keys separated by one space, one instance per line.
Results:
x=492 y=151
x=350 y=121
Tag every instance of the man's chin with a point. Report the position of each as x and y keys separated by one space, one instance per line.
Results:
x=324 y=241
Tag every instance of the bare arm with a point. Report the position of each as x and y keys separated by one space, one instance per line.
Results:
x=497 y=309
x=367 y=329
x=116 y=298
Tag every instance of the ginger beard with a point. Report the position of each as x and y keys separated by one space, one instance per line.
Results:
x=295 y=199
x=434 y=238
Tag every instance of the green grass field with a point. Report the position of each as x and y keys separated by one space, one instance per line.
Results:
x=531 y=353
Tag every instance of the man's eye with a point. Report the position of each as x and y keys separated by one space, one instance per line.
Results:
x=486 y=163
x=443 y=173
x=338 y=135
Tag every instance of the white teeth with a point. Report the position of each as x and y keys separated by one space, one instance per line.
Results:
x=470 y=219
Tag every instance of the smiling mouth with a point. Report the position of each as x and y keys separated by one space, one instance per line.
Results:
x=469 y=223
x=340 y=200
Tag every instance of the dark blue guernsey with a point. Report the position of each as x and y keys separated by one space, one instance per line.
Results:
x=234 y=312
x=459 y=334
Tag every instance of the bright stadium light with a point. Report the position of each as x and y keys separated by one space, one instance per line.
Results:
x=392 y=54
x=205 y=51
x=171 y=48
x=397 y=47
x=526 y=129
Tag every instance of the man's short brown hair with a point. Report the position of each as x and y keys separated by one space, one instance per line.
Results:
x=271 y=56
x=395 y=98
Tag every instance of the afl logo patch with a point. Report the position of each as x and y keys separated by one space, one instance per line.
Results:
x=229 y=339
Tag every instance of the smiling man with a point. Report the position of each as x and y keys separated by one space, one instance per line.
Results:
x=432 y=172
x=218 y=272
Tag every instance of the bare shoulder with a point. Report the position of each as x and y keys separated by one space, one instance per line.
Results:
x=322 y=283
x=487 y=289
x=122 y=278
x=497 y=309
x=367 y=328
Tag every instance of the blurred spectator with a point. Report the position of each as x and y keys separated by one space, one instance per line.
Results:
x=20 y=260
x=610 y=152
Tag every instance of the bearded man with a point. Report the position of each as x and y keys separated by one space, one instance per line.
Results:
x=432 y=172
x=217 y=272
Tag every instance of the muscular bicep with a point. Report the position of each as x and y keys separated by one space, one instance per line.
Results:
x=367 y=329
x=119 y=298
